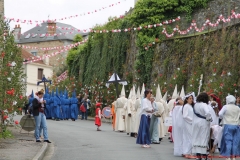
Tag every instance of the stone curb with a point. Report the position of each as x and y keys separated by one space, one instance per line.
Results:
x=41 y=152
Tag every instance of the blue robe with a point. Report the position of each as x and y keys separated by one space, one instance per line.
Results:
x=67 y=106
x=57 y=107
x=62 y=107
x=47 y=109
x=52 y=107
x=74 y=108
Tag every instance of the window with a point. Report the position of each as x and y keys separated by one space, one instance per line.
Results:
x=43 y=35
x=35 y=35
x=34 y=53
x=40 y=73
x=28 y=36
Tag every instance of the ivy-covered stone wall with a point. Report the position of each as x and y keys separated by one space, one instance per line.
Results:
x=168 y=61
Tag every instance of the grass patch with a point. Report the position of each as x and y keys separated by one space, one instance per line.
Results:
x=6 y=134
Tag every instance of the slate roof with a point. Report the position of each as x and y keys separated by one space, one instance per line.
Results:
x=42 y=29
x=26 y=55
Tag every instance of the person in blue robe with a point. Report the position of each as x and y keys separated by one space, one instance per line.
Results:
x=62 y=108
x=30 y=103
x=47 y=110
x=74 y=106
x=67 y=106
x=57 y=106
x=52 y=106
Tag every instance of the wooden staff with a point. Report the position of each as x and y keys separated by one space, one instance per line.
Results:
x=200 y=84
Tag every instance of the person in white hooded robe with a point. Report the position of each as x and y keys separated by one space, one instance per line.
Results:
x=201 y=126
x=177 y=129
x=131 y=112
x=120 y=125
x=138 y=109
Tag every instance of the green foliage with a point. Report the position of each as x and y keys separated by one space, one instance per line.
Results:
x=6 y=134
x=215 y=55
x=78 y=38
x=12 y=86
x=154 y=12
x=103 y=53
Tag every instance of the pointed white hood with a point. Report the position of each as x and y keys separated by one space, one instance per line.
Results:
x=123 y=94
x=133 y=95
x=158 y=94
x=130 y=94
x=165 y=97
x=143 y=90
x=175 y=93
x=182 y=94
x=138 y=93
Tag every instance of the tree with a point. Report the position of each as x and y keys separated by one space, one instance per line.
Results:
x=12 y=78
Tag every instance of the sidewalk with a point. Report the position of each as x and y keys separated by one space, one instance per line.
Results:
x=21 y=147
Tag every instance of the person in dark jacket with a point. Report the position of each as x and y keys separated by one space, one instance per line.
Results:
x=86 y=102
x=39 y=105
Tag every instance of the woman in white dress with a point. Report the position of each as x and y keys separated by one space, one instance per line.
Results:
x=201 y=126
x=187 y=114
x=177 y=129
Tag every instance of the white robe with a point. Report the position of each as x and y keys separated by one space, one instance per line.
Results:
x=130 y=121
x=201 y=129
x=215 y=118
x=217 y=135
x=187 y=114
x=177 y=130
x=133 y=117
x=137 y=117
x=120 y=126
x=161 y=127
x=126 y=110
x=165 y=114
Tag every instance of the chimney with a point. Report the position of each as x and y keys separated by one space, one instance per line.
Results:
x=17 y=32
x=46 y=61
x=51 y=27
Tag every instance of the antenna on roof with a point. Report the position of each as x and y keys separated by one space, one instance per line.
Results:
x=48 y=17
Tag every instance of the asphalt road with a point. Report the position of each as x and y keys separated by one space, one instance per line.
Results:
x=79 y=140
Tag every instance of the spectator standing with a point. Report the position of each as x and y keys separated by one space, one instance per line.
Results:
x=86 y=103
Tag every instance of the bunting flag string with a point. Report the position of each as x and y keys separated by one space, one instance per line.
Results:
x=62 y=77
x=74 y=30
x=38 y=58
x=193 y=26
x=19 y=20
x=52 y=48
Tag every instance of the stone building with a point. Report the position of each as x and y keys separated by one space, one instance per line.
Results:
x=38 y=37
x=35 y=72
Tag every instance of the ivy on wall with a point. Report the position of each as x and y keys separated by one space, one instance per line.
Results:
x=215 y=55
x=154 y=12
x=176 y=61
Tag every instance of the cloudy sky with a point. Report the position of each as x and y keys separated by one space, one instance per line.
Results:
x=56 y=9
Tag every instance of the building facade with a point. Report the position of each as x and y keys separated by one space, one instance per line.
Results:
x=38 y=37
x=35 y=72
